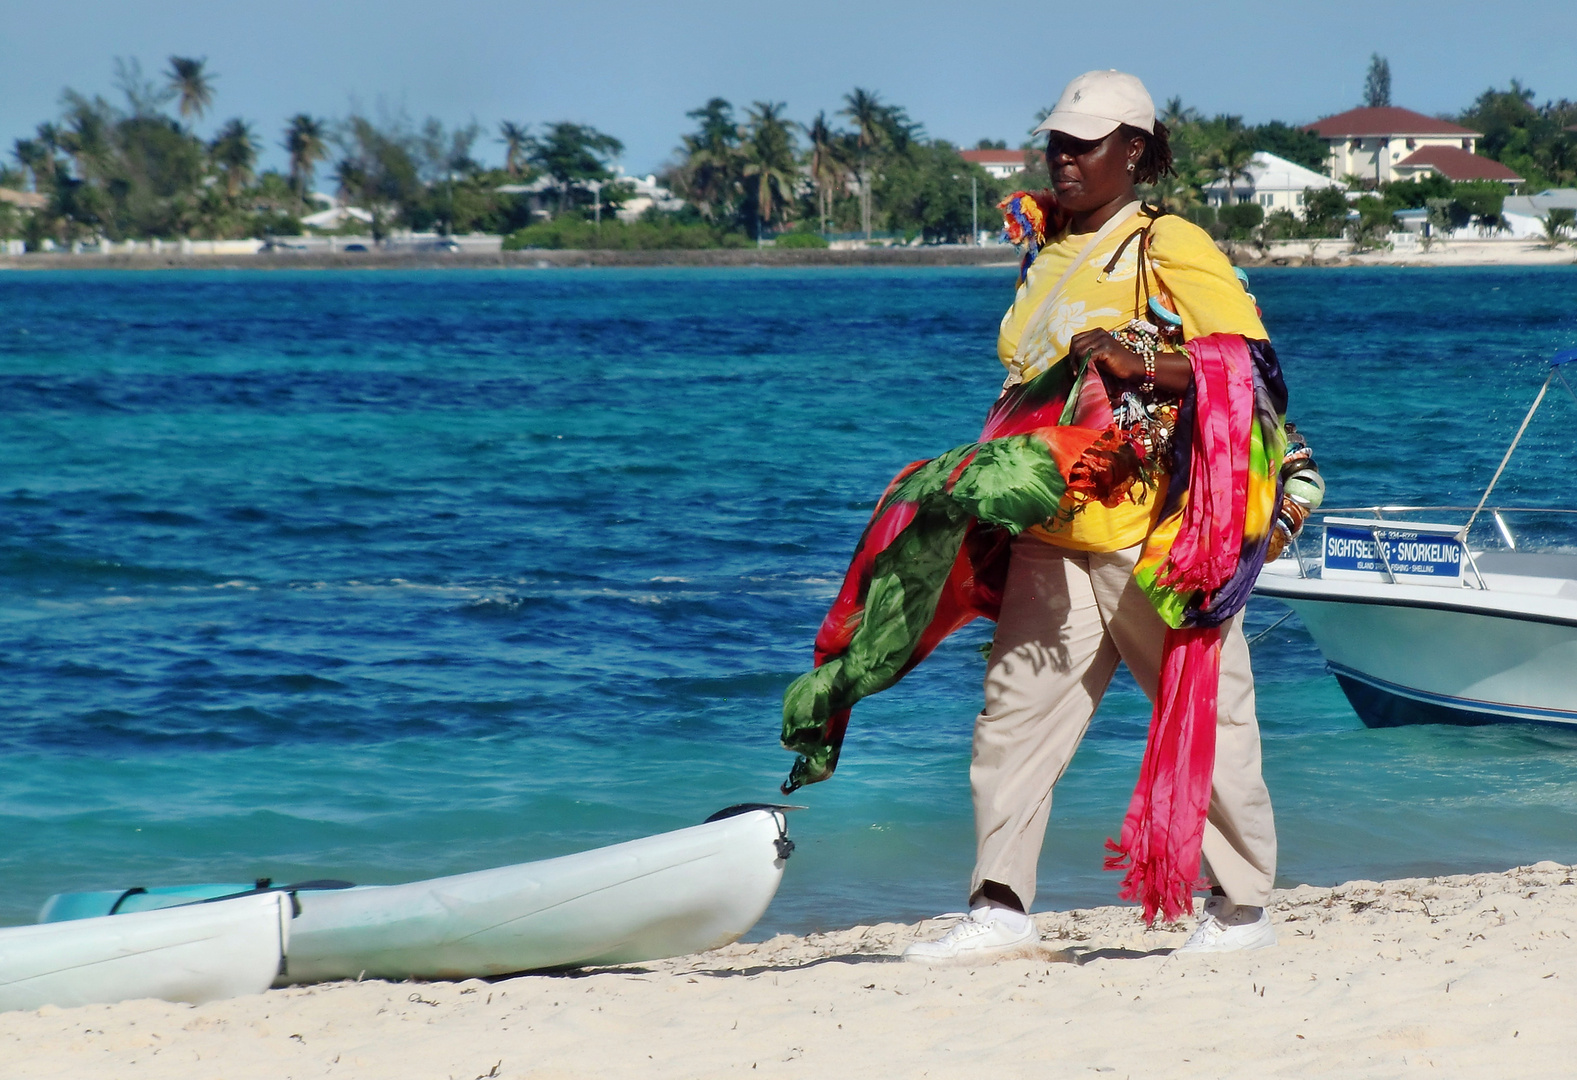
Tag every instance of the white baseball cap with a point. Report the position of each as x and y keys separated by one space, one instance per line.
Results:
x=1094 y=104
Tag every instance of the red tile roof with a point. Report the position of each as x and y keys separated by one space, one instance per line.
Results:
x=1455 y=163
x=994 y=157
x=29 y=200
x=1387 y=120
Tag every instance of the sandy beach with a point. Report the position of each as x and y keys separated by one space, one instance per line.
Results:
x=1470 y=975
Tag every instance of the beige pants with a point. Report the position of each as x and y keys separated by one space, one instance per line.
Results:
x=1067 y=618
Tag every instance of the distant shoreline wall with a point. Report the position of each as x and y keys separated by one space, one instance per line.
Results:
x=1327 y=253
x=405 y=260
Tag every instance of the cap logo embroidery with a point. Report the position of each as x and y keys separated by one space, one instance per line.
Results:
x=1077 y=94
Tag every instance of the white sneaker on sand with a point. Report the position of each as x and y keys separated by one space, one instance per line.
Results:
x=984 y=934
x=1226 y=927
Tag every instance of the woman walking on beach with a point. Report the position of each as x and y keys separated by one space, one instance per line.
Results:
x=1117 y=507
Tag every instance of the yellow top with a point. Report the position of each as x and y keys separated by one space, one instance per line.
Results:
x=1191 y=276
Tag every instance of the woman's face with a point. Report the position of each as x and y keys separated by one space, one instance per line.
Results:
x=1087 y=175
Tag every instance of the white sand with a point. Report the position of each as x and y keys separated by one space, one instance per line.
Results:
x=1452 y=977
x=1474 y=252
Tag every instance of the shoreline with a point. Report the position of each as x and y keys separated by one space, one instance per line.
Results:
x=1475 y=974
x=1322 y=254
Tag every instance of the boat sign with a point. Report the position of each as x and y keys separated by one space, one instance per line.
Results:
x=1407 y=552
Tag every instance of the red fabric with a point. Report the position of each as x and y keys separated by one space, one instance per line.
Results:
x=1165 y=825
x=1204 y=555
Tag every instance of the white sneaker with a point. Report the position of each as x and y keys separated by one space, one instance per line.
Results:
x=984 y=934
x=1227 y=927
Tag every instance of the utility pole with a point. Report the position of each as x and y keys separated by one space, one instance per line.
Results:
x=865 y=203
x=974 y=211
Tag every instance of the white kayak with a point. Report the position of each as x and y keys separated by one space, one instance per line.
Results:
x=203 y=952
x=666 y=895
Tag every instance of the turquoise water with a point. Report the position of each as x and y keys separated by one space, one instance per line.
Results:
x=383 y=575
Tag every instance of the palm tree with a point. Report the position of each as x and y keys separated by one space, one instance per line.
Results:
x=516 y=142
x=306 y=145
x=1557 y=222
x=194 y=87
x=769 y=158
x=50 y=143
x=1230 y=161
x=1175 y=192
x=827 y=167
x=865 y=108
x=1174 y=114
x=234 y=150
x=711 y=172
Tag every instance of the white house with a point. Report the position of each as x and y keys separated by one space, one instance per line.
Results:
x=1523 y=214
x=336 y=217
x=1273 y=182
x=648 y=193
x=1387 y=143
x=998 y=163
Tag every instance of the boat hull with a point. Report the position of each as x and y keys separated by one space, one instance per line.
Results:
x=1412 y=655
x=668 y=895
x=205 y=952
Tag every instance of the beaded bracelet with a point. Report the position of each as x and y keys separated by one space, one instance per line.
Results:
x=1148 y=386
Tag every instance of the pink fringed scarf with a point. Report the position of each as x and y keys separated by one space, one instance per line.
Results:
x=1164 y=829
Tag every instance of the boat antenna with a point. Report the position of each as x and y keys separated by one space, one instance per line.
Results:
x=1558 y=361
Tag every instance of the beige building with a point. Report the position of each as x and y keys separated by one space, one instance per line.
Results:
x=1388 y=143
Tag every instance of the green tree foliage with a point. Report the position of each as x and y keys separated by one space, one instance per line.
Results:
x=517 y=140
x=798 y=239
x=135 y=167
x=191 y=84
x=830 y=160
x=654 y=232
x=1295 y=144
x=1377 y=83
x=1374 y=223
x=770 y=167
x=1535 y=141
x=377 y=171
x=234 y=151
x=1241 y=219
x=307 y=144
x=710 y=170
x=1324 y=212
x=574 y=156
x=1558 y=224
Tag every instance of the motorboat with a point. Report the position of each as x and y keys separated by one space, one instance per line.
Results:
x=1422 y=620
x=671 y=894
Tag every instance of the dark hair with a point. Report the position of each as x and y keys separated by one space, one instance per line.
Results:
x=1155 y=161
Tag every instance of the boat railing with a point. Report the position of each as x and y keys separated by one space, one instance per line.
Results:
x=1388 y=514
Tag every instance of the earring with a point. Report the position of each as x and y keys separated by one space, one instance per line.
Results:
x=1130 y=166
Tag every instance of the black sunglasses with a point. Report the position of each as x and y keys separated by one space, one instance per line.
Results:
x=1059 y=143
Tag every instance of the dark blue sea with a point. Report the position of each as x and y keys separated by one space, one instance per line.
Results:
x=383 y=575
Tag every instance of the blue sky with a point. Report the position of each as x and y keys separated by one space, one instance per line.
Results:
x=634 y=69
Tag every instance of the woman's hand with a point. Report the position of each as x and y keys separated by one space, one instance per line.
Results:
x=1173 y=373
x=1108 y=354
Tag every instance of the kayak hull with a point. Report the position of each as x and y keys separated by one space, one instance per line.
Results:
x=667 y=895
x=206 y=952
